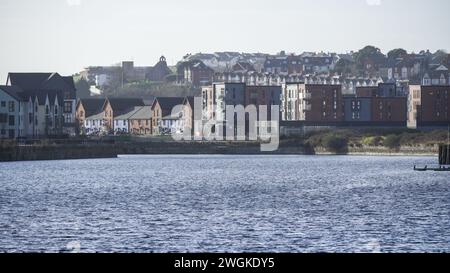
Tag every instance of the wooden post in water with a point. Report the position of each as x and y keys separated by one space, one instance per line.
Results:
x=444 y=155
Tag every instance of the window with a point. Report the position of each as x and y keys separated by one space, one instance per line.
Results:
x=67 y=107
x=56 y=109
x=11 y=106
x=47 y=110
x=30 y=118
x=3 y=103
x=3 y=118
x=3 y=132
x=12 y=120
x=117 y=123
x=124 y=123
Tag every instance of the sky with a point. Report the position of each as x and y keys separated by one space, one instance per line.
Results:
x=67 y=35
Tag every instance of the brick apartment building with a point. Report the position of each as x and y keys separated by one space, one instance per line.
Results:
x=428 y=106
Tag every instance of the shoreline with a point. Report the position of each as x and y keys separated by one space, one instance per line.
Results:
x=101 y=151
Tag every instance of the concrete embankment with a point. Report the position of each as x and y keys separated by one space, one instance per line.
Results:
x=85 y=151
x=56 y=152
x=111 y=150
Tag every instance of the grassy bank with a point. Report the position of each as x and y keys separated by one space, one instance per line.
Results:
x=373 y=141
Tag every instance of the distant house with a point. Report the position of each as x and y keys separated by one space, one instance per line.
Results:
x=110 y=115
x=122 y=122
x=126 y=72
x=195 y=72
x=437 y=76
x=116 y=107
x=89 y=115
x=242 y=67
x=159 y=72
x=317 y=64
x=140 y=121
x=188 y=115
x=13 y=110
x=54 y=86
x=163 y=120
x=276 y=64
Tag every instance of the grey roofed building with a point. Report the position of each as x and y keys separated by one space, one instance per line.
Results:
x=143 y=112
x=98 y=116
x=121 y=106
x=129 y=114
x=43 y=81
x=15 y=92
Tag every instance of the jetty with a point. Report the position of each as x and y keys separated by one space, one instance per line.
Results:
x=444 y=161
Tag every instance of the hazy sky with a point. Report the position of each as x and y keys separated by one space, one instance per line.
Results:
x=67 y=35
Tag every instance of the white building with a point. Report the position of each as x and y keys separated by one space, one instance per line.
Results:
x=94 y=125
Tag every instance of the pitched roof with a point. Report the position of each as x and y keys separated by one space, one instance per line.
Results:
x=28 y=81
x=98 y=116
x=14 y=91
x=144 y=112
x=129 y=114
x=43 y=81
x=167 y=104
x=121 y=106
x=189 y=100
x=92 y=106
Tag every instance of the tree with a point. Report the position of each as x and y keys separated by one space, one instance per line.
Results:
x=344 y=66
x=397 y=53
x=368 y=55
x=82 y=87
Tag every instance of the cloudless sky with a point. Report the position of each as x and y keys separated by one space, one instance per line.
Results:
x=67 y=35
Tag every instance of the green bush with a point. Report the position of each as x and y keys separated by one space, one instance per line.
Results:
x=372 y=141
x=392 y=141
x=335 y=143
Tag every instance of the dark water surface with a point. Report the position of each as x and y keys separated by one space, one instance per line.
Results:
x=224 y=204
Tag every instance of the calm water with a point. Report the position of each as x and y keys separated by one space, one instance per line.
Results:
x=224 y=204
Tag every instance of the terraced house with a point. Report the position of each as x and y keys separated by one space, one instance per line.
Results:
x=98 y=116
x=89 y=116
x=37 y=105
x=56 y=101
x=164 y=121
x=12 y=105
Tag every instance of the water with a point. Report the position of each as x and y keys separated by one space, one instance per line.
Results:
x=224 y=204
